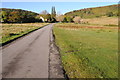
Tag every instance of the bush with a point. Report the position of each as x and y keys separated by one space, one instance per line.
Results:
x=110 y=14
x=65 y=20
x=69 y=19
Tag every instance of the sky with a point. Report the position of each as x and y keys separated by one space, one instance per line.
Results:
x=61 y=7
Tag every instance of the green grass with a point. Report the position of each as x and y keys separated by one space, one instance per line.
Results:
x=88 y=53
x=12 y=31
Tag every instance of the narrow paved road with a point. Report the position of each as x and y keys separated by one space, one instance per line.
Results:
x=28 y=57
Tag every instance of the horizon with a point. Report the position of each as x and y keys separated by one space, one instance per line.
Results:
x=38 y=7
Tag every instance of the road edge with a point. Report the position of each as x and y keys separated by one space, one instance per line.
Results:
x=56 y=69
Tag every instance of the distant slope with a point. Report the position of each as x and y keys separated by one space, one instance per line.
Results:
x=20 y=10
x=111 y=10
x=17 y=15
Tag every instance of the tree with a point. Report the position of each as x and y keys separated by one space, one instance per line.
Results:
x=69 y=19
x=65 y=19
x=53 y=13
x=4 y=16
x=38 y=19
x=58 y=14
x=48 y=17
x=60 y=18
x=53 y=20
x=45 y=12
x=45 y=15
x=77 y=19
x=14 y=17
x=17 y=15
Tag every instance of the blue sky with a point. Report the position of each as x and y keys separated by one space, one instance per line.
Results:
x=61 y=7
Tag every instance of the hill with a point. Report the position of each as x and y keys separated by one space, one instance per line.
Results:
x=17 y=15
x=111 y=10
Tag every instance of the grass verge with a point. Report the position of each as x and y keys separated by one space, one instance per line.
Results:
x=88 y=52
x=10 y=32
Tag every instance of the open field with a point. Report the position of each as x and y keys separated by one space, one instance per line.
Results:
x=11 y=31
x=103 y=21
x=88 y=52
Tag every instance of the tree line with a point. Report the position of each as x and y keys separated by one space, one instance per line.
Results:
x=17 y=16
x=47 y=16
x=23 y=16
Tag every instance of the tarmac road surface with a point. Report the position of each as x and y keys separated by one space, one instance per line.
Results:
x=28 y=57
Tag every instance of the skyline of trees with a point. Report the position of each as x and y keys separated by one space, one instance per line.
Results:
x=17 y=16
x=53 y=14
x=23 y=16
x=47 y=16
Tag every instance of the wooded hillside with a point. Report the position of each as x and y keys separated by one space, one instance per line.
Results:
x=17 y=15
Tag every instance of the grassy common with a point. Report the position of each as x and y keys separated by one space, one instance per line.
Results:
x=87 y=52
x=95 y=12
x=11 y=31
x=103 y=21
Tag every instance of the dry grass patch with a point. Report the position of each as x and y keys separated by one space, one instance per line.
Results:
x=11 y=31
x=103 y=21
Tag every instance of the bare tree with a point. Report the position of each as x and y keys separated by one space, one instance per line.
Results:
x=60 y=18
x=58 y=14
x=44 y=12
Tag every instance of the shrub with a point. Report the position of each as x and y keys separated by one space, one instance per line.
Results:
x=69 y=19
x=65 y=20
x=110 y=14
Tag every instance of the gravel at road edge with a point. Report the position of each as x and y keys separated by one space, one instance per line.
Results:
x=55 y=64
